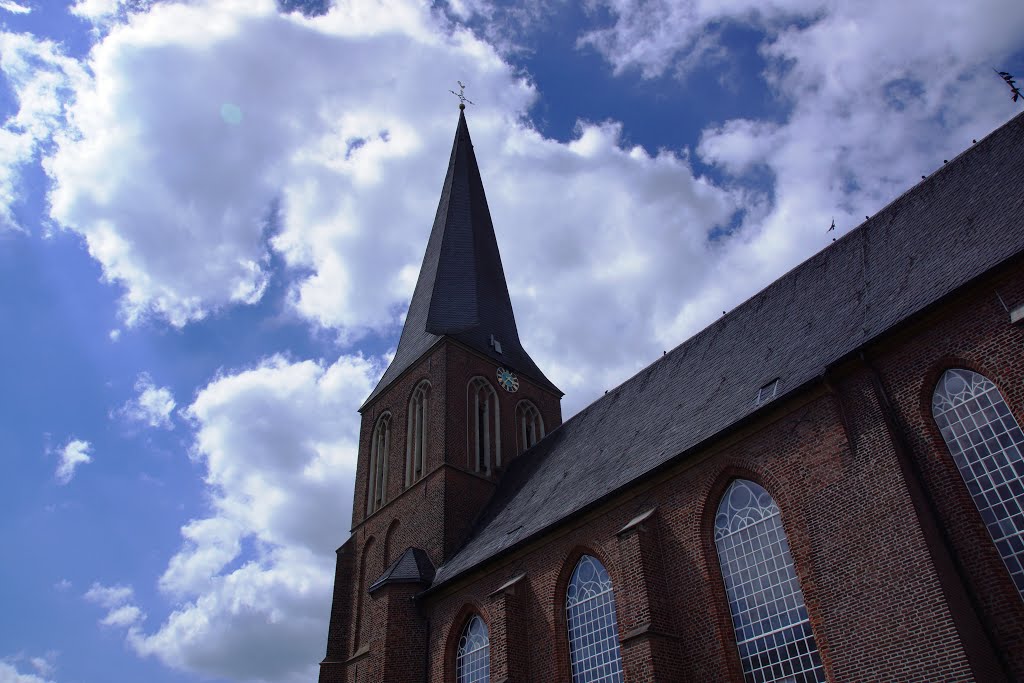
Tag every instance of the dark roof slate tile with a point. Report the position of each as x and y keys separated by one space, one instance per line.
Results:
x=965 y=219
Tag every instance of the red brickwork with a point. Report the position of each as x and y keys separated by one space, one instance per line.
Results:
x=900 y=578
x=435 y=513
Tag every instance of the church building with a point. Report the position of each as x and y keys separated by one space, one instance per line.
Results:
x=825 y=484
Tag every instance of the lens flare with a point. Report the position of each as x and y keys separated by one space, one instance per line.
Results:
x=231 y=113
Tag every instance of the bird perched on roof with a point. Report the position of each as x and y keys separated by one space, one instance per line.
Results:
x=1014 y=90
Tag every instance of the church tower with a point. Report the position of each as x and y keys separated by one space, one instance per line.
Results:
x=461 y=399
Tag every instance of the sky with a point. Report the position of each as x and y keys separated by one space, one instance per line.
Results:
x=212 y=215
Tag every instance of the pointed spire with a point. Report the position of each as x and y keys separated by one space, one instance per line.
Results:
x=461 y=290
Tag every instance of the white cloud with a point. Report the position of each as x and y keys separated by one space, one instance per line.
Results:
x=253 y=578
x=45 y=665
x=109 y=597
x=153 y=406
x=343 y=175
x=62 y=585
x=42 y=79
x=14 y=7
x=124 y=616
x=74 y=453
x=879 y=94
x=117 y=600
x=10 y=674
x=105 y=13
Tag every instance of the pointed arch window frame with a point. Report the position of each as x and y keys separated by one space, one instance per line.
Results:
x=591 y=621
x=986 y=443
x=529 y=424
x=377 y=475
x=417 y=417
x=771 y=624
x=473 y=653
x=483 y=425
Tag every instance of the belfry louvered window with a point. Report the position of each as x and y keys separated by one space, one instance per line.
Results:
x=376 y=494
x=416 y=433
x=773 y=631
x=593 y=630
x=529 y=425
x=986 y=444
x=473 y=659
x=484 y=425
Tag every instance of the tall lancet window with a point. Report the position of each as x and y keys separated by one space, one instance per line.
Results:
x=473 y=659
x=986 y=444
x=773 y=631
x=593 y=629
x=380 y=447
x=484 y=425
x=529 y=425
x=416 y=433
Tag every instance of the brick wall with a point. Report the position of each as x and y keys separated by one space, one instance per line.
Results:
x=898 y=573
x=880 y=607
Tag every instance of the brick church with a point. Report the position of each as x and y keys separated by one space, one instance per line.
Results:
x=826 y=484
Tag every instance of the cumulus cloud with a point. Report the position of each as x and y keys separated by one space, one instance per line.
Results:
x=117 y=600
x=104 y=13
x=74 y=453
x=878 y=94
x=9 y=674
x=213 y=135
x=14 y=8
x=253 y=578
x=42 y=79
x=153 y=406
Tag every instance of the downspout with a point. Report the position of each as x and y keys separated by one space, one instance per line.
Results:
x=927 y=512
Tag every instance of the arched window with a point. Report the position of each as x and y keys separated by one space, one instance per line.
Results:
x=529 y=425
x=473 y=659
x=484 y=425
x=986 y=444
x=773 y=632
x=416 y=433
x=380 y=444
x=593 y=630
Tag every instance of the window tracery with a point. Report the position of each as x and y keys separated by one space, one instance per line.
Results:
x=473 y=658
x=380 y=444
x=986 y=444
x=416 y=433
x=529 y=425
x=773 y=630
x=484 y=425
x=593 y=629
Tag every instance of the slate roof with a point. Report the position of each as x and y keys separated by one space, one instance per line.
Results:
x=412 y=566
x=965 y=219
x=461 y=290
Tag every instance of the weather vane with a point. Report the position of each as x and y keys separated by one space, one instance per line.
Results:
x=461 y=95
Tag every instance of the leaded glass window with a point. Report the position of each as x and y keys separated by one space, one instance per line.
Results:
x=473 y=660
x=530 y=425
x=593 y=630
x=484 y=425
x=773 y=632
x=378 y=475
x=986 y=444
x=416 y=433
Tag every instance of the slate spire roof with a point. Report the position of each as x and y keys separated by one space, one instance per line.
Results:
x=461 y=291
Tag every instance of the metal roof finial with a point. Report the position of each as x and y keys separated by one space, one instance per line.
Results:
x=461 y=95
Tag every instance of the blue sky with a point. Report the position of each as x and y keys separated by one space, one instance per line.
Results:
x=212 y=214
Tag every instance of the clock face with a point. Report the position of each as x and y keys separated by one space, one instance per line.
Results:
x=507 y=380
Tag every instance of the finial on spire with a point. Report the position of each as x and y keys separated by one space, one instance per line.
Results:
x=461 y=95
